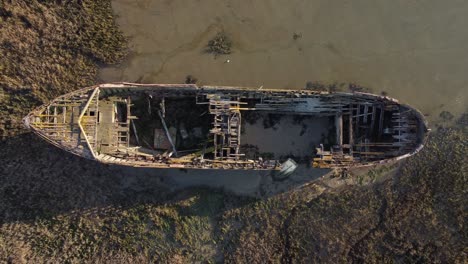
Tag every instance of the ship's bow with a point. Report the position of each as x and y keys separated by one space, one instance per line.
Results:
x=68 y=122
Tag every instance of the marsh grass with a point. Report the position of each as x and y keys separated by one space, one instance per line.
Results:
x=402 y=217
x=86 y=215
x=49 y=48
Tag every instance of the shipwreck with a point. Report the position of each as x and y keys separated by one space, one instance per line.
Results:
x=213 y=127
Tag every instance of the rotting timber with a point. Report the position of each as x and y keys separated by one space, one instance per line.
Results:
x=186 y=126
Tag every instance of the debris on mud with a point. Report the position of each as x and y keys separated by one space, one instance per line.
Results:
x=189 y=79
x=221 y=44
x=353 y=87
x=446 y=116
x=297 y=36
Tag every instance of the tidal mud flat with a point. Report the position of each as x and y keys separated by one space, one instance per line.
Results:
x=413 y=51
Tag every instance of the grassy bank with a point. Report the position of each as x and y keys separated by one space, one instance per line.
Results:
x=49 y=48
x=59 y=207
x=417 y=216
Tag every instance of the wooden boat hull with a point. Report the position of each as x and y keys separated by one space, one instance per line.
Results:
x=186 y=126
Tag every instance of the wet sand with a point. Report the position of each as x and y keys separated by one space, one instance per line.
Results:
x=414 y=50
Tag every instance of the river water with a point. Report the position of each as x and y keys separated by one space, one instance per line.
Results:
x=415 y=50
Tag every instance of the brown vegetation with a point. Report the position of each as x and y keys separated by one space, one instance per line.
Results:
x=417 y=216
x=59 y=207
x=49 y=48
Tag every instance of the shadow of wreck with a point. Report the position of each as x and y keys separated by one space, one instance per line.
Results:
x=39 y=180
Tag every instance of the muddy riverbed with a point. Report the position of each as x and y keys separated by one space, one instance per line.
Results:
x=413 y=50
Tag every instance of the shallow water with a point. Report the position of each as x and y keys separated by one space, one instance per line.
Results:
x=287 y=137
x=414 y=50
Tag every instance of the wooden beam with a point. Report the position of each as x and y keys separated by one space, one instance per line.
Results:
x=358 y=113
x=351 y=136
x=381 y=119
x=167 y=133
x=374 y=110
x=339 y=129
x=366 y=110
